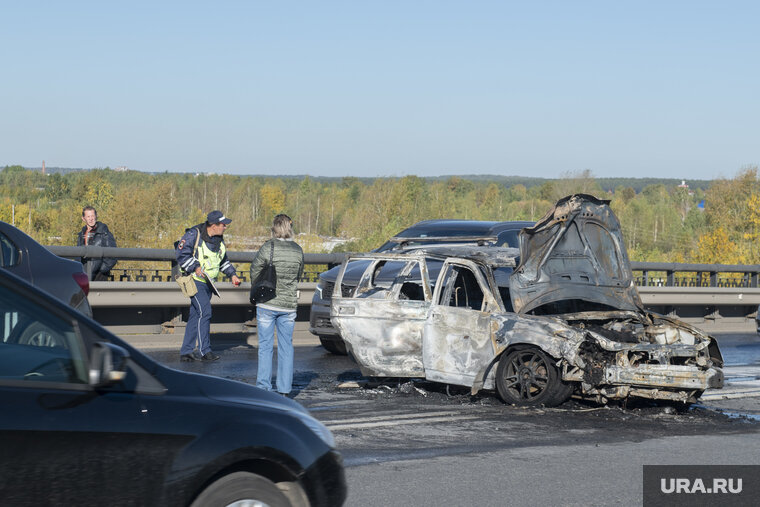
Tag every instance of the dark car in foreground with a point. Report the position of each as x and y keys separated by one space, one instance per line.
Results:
x=88 y=420
x=63 y=278
x=427 y=232
x=561 y=315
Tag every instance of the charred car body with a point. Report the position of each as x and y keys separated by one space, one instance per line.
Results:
x=427 y=232
x=567 y=319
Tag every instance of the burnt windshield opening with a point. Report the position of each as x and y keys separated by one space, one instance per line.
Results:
x=571 y=306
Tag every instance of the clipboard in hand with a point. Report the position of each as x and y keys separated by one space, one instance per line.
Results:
x=211 y=284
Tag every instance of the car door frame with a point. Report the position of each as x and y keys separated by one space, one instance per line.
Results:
x=381 y=331
x=458 y=342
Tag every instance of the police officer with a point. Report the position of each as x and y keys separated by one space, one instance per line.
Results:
x=205 y=260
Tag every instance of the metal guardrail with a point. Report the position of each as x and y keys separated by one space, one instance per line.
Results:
x=143 y=294
x=664 y=274
x=89 y=253
x=671 y=274
x=694 y=292
x=168 y=254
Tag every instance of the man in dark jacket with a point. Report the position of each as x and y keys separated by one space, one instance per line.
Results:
x=202 y=252
x=96 y=233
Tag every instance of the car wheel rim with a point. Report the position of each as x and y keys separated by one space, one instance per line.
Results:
x=248 y=503
x=42 y=339
x=527 y=376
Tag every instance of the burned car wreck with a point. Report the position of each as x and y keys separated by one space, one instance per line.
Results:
x=566 y=319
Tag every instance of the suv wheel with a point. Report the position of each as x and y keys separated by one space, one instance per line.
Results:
x=242 y=488
x=333 y=345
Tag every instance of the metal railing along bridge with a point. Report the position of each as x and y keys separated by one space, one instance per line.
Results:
x=144 y=298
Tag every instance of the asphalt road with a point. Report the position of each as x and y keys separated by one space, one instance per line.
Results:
x=420 y=443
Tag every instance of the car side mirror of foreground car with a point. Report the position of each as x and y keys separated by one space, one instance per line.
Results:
x=108 y=364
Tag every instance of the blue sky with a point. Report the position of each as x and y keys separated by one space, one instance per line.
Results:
x=383 y=88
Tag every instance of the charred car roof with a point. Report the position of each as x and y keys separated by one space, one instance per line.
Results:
x=490 y=256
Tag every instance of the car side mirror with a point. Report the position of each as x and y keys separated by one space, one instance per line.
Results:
x=108 y=364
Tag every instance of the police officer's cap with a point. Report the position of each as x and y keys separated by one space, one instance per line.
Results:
x=217 y=217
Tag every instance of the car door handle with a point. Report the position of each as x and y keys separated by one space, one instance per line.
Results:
x=346 y=310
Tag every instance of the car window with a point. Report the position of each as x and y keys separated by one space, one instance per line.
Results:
x=9 y=253
x=37 y=345
x=461 y=289
x=391 y=279
x=509 y=239
x=378 y=278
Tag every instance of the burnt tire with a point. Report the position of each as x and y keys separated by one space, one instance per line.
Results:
x=333 y=346
x=245 y=487
x=527 y=377
x=563 y=393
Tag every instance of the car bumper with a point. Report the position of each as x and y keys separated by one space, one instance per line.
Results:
x=319 y=319
x=666 y=376
x=657 y=382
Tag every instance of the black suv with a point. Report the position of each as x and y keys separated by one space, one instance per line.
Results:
x=427 y=232
x=88 y=420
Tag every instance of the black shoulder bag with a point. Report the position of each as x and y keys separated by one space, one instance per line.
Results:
x=263 y=288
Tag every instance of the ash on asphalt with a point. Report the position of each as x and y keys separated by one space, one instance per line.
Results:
x=318 y=376
x=400 y=421
x=422 y=393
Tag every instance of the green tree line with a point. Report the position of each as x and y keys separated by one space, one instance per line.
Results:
x=661 y=221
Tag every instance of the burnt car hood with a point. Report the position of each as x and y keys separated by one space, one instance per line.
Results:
x=574 y=259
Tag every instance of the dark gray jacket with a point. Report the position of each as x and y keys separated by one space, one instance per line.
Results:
x=288 y=263
x=100 y=236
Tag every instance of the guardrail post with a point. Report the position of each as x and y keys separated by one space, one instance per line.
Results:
x=669 y=279
x=645 y=278
x=87 y=266
x=713 y=279
x=753 y=279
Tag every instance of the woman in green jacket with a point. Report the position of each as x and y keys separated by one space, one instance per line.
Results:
x=279 y=312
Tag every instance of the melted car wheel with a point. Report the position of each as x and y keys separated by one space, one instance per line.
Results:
x=526 y=376
x=242 y=489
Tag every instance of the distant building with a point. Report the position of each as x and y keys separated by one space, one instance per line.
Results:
x=686 y=186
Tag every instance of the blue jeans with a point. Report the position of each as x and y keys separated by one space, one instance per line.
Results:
x=266 y=321
x=198 y=322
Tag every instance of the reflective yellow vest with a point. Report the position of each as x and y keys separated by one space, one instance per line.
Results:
x=210 y=261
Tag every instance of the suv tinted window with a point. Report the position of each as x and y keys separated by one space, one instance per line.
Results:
x=36 y=345
x=9 y=253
